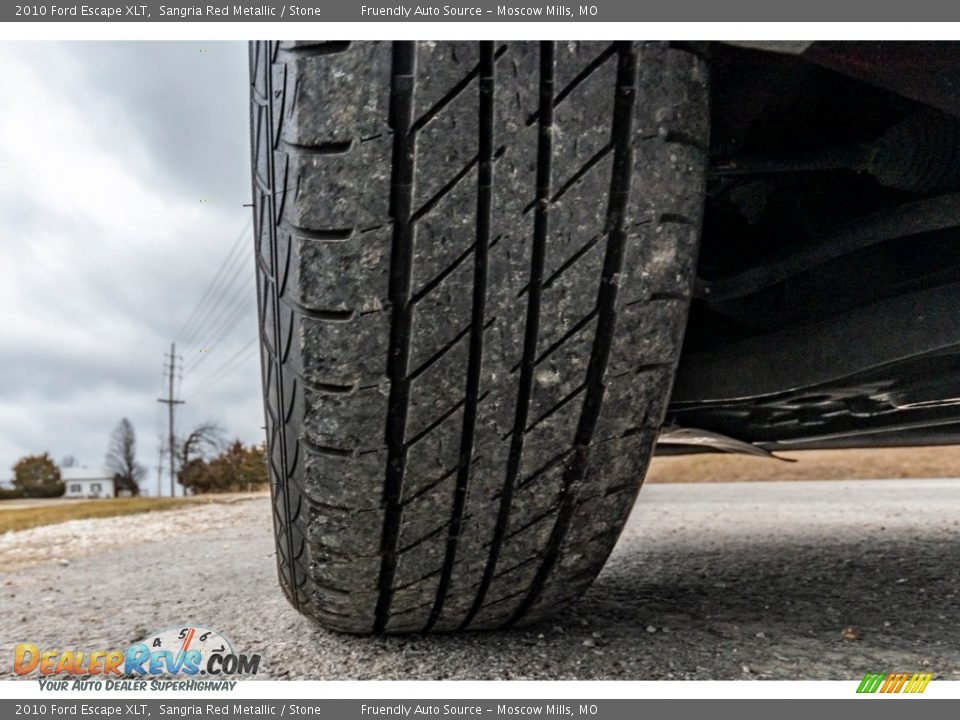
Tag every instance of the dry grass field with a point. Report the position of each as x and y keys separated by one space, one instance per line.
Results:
x=874 y=464
x=13 y=517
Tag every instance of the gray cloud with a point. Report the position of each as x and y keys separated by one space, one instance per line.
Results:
x=125 y=171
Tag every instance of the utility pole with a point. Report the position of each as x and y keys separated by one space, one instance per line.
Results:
x=160 y=464
x=170 y=402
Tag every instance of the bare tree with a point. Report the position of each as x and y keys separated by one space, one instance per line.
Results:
x=203 y=440
x=121 y=458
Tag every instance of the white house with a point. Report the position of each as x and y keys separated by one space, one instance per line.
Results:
x=87 y=483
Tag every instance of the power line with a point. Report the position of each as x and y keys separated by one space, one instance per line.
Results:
x=209 y=289
x=225 y=301
x=231 y=365
x=226 y=309
x=235 y=362
x=244 y=312
x=228 y=322
x=196 y=316
x=216 y=305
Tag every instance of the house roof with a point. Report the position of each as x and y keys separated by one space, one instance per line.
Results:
x=75 y=474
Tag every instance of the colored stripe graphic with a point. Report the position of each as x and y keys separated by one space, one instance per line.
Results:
x=870 y=683
x=894 y=683
x=918 y=683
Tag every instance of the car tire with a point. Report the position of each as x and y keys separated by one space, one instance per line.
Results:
x=474 y=265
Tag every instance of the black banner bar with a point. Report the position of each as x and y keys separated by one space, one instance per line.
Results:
x=483 y=11
x=430 y=709
x=217 y=709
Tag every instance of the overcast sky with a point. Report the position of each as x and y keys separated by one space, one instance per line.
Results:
x=124 y=171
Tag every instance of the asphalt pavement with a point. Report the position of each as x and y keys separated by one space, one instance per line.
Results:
x=785 y=580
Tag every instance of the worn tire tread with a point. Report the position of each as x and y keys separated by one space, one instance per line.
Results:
x=474 y=265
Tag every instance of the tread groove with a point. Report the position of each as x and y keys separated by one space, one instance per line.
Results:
x=563 y=401
x=439 y=277
x=539 y=517
x=531 y=330
x=452 y=94
x=431 y=202
x=425 y=490
x=580 y=77
x=584 y=169
x=676 y=218
x=504 y=599
x=402 y=88
x=422 y=539
x=331 y=552
x=516 y=566
x=418 y=580
x=606 y=317
x=567 y=264
x=328 y=148
x=330 y=47
x=316 y=313
x=616 y=489
x=407 y=611
x=435 y=281
x=545 y=468
x=327 y=450
x=328 y=388
x=661 y=296
x=436 y=423
x=580 y=324
x=435 y=358
x=329 y=507
x=481 y=245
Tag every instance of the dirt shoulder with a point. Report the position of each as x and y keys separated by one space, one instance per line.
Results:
x=65 y=537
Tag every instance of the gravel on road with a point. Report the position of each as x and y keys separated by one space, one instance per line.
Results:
x=792 y=580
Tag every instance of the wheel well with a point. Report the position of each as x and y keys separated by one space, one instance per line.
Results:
x=832 y=212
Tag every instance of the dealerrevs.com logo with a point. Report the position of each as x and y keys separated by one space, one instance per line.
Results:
x=178 y=658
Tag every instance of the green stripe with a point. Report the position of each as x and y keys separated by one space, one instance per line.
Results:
x=870 y=683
